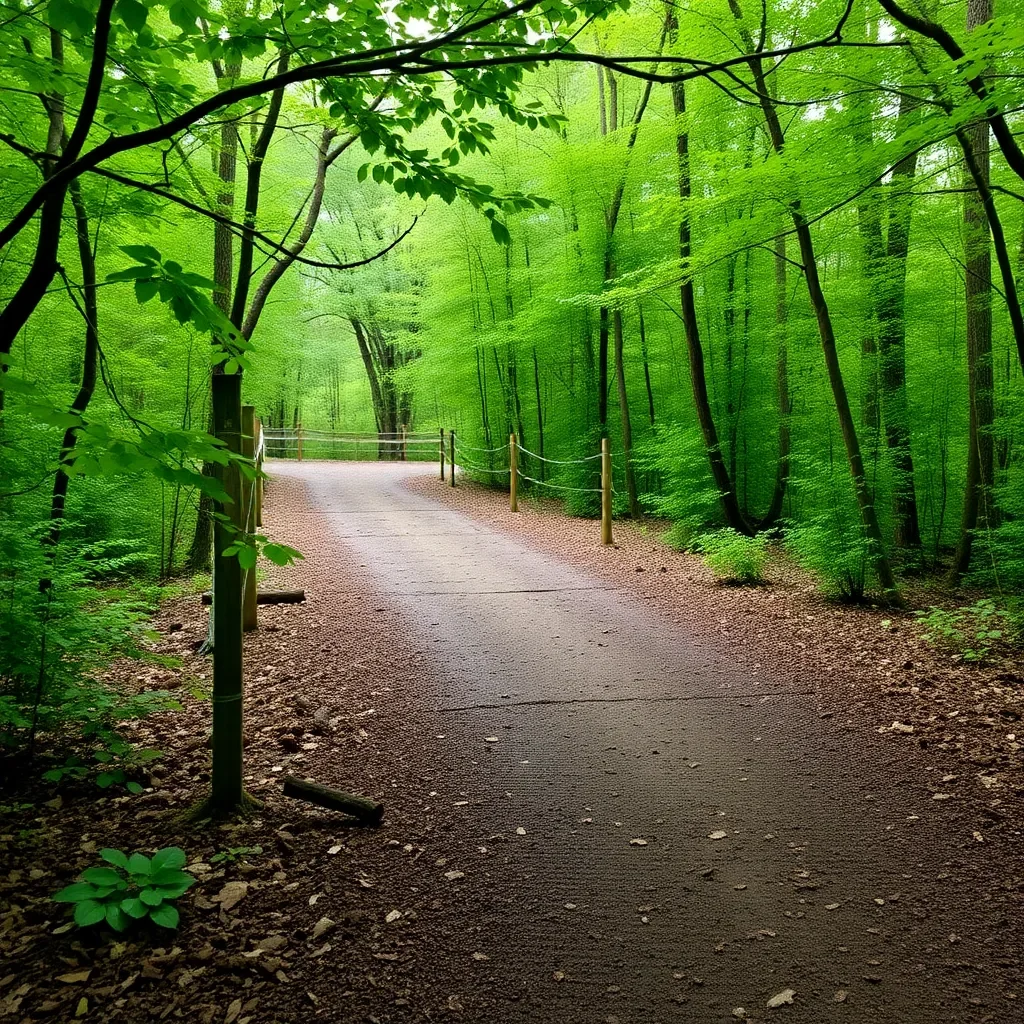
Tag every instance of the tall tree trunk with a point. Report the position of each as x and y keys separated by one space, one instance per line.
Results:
x=30 y=292
x=774 y=512
x=647 y=366
x=698 y=379
x=198 y=557
x=978 y=294
x=90 y=361
x=627 y=426
x=891 y=291
x=826 y=332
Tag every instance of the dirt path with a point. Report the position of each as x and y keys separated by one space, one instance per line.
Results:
x=639 y=830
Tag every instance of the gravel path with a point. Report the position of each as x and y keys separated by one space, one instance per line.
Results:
x=668 y=835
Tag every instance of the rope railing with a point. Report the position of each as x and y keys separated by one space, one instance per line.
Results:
x=294 y=442
x=473 y=468
x=458 y=459
x=558 y=462
x=559 y=487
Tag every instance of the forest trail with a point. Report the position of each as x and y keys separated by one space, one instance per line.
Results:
x=675 y=839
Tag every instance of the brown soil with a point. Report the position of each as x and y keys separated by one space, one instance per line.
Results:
x=334 y=691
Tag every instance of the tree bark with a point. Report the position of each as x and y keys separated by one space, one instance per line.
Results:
x=627 y=426
x=978 y=295
x=29 y=294
x=826 y=332
x=891 y=291
x=734 y=517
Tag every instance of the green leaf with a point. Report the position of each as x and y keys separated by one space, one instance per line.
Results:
x=133 y=787
x=165 y=915
x=89 y=912
x=74 y=18
x=133 y=14
x=138 y=864
x=281 y=554
x=151 y=897
x=107 y=779
x=500 y=232
x=75 y=893
x=103 y=876
x=116 y=918
x=142 y=253
x=145 y=290
x=114 y=857
x=134 y=907
x=247 y=556
x=171 y=857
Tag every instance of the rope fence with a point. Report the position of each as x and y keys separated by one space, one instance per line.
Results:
x=457 y=456
x=299 y=442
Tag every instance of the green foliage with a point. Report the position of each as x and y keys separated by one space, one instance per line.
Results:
x=130 y=889
x=733 y=557
x=114 y=761
x=972 y=631
x=674 y=459
x=828 y=539
x=839 y=561
x=235 y=853
x=56 y=639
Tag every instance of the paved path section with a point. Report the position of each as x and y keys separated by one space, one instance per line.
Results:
x=677 y=840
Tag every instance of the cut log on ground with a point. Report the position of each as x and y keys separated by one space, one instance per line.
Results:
x=369 y=812
x=271 y=597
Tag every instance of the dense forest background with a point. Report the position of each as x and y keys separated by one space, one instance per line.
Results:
x=788 y=292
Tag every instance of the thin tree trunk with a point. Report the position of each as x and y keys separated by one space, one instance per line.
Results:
x=891 y=291
x=774 y=512
x=223 y=271
x=647 y=367
x=627 y=426
x=865 y=501
x=978 y=295
x=89 y=363
x=698 y=380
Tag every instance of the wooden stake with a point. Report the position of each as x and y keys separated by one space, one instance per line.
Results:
x=513 y=473
x=298 y=441
x=606 y=492
x=249 y=618
x=405 y=453
x=451 y=453
x=442 y=455
x=259 y=479
x=226 y=794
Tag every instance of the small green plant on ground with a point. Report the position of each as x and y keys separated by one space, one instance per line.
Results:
x=732 y=557
x=130 y=888
x=113 y=764
x=971 y=631
x=234 y=853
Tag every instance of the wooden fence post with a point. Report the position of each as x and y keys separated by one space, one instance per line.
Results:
x=259 y=479
x=248 y=516
x=298 y=441
x=513 y=473
x=451 y=454
x=405 y=452
x=442 y=455
x=606 y=492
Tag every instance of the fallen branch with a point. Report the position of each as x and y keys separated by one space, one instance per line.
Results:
x=270 y=597
x=369 y=812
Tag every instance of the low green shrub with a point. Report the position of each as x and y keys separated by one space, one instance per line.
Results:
x=971 y=631
x=131 y=888
x=733 y=557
